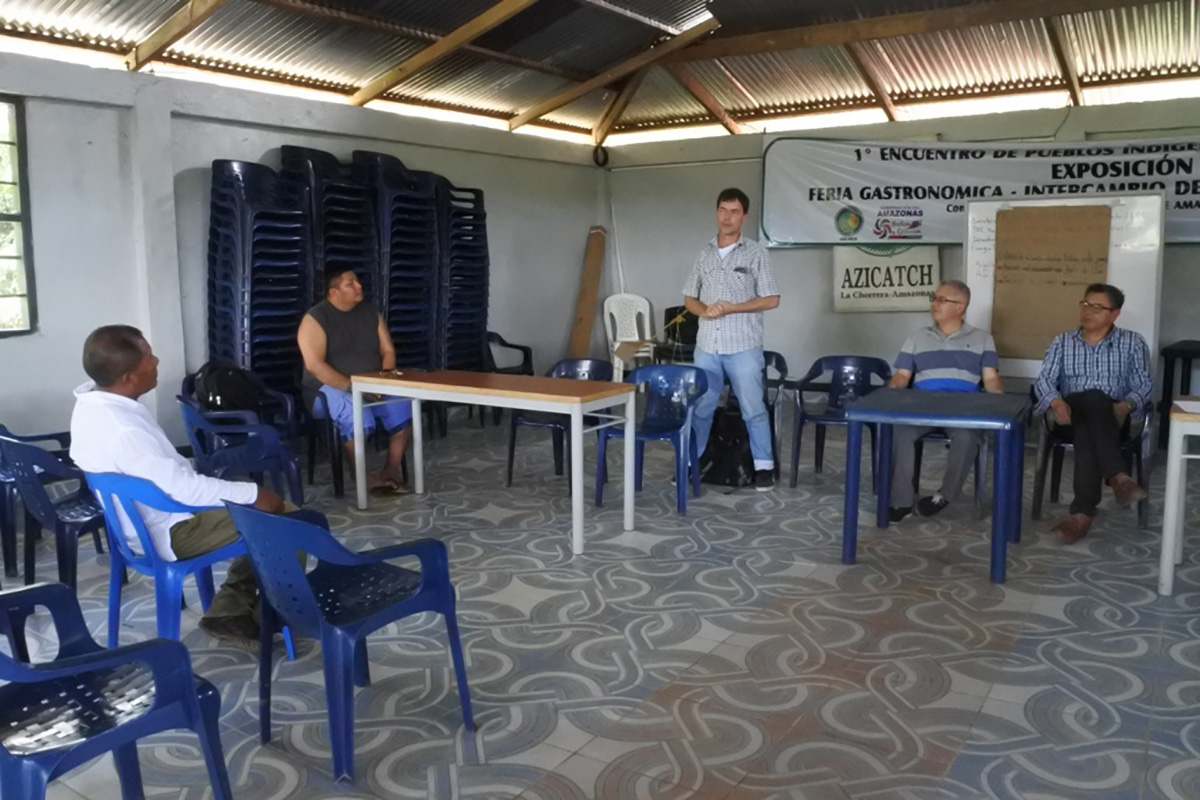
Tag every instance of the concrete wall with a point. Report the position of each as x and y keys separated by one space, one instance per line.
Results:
x=119 y=181
x=119 y=176
x=664 y=195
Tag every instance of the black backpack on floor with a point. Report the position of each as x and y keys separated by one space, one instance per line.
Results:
x=222 y=386
x=727 y=460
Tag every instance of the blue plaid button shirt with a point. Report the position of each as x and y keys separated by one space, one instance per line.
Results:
x=742 y=275
x=1119 y=366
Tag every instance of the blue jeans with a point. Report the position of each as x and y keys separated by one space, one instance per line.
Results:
x=394 y=414
x=745 y=373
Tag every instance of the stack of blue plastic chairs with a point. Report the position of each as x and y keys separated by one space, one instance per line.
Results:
x=407 y=214
x=464 y=277
x=259 y=271
x=342 y=207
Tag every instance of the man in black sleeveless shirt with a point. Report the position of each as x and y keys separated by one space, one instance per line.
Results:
x=339 y=337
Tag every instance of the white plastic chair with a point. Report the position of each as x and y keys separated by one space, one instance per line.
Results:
x=627 y=319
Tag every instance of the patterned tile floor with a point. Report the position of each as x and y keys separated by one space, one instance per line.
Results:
x=725 y=654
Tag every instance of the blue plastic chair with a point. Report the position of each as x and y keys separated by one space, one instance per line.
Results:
x=9 y=493
x=580 y=369
x=672 y=392
x=89 y=701
x=347 y=596
x=227 y=451
x=1054 y=441
x=70 y=518
x=850 y=379
x=122 y=492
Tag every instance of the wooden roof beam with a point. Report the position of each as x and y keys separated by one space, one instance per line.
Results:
x=873 y=79
x=634 y=64
x=176 y=26
x=887 y=26
x=1062 y=54
x=617 y=105
x=706 y=98
x=472 y=29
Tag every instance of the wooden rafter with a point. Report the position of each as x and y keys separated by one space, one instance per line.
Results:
x=176 y=26
x=472 y=29
x=706 y=98
x=878 y=88
x=614 y=73
x=887 y=26
x=1066 y=64
x=400 y=31
x=617 y=104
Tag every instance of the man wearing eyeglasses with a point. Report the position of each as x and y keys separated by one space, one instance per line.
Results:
x=1096 y=379
x=948 y=356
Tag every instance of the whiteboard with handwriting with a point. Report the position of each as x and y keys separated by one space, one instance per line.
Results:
x=1135 y=254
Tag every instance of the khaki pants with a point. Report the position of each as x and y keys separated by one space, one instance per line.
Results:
x=208 y=531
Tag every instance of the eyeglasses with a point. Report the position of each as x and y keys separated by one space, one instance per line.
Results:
x=1086 y=306
x=937 y=300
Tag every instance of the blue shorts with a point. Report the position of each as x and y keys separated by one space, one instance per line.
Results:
x=392 y=414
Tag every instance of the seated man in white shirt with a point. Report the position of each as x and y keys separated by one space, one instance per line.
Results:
x=112 y=432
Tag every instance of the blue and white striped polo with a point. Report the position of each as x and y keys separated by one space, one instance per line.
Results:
x=953 y=363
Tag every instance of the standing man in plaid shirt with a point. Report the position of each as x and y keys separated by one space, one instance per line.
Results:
x=729 y=288
x=1095 y=379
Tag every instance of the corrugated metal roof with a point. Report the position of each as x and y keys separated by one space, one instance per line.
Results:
x=1135 y=42
x=662 y=100
x=586 y=39
x=582 y=114
x=965 y=62
x=678 y=14
x=466 y=81
x=340 y=45
x=789 y=81
x=125 y=22
x=259 y=36
x=752 y=16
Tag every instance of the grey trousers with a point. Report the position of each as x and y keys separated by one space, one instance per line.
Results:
x=964 y=444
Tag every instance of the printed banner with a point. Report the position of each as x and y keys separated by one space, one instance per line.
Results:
x=884 y=278
x=826 y=192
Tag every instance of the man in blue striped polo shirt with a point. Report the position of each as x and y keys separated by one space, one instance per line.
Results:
x=948 y=356
x=1095 y=379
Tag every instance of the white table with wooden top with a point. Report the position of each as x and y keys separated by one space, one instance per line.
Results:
x=566 y=396
x=1185 y=422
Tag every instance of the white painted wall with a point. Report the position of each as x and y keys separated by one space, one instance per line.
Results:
x=82 y=246
x=119 y=176
x=665 y=196
x=118 y=171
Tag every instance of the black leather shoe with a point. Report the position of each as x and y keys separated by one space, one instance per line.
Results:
x=897 y=514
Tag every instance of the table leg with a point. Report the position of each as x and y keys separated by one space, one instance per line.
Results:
x=576 y=480
x=630 y=442
x=1173 y=510
x=883 y=475
x=1002 y=486
x=1164 y=409
x=418 y=435
x=850 y=510
x=1017 y=489
x=1185 y=379
x=360 y=449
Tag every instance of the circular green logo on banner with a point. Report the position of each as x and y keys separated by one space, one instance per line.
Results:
x=848 y=221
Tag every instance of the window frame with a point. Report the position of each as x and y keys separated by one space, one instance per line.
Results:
x=25 y=217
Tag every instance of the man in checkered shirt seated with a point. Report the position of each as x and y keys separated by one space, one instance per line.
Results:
x=1096 y=379
x=730 y=286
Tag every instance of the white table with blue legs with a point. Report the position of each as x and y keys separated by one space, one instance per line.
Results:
x=565 y=396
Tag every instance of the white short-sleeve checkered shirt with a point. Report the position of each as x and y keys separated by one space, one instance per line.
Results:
x=744 y=274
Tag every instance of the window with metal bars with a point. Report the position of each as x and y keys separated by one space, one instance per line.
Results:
x=17 y=308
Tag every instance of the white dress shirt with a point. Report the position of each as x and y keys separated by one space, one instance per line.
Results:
x=111 y=433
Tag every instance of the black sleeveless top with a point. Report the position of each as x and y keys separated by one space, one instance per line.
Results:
x=351 y=340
